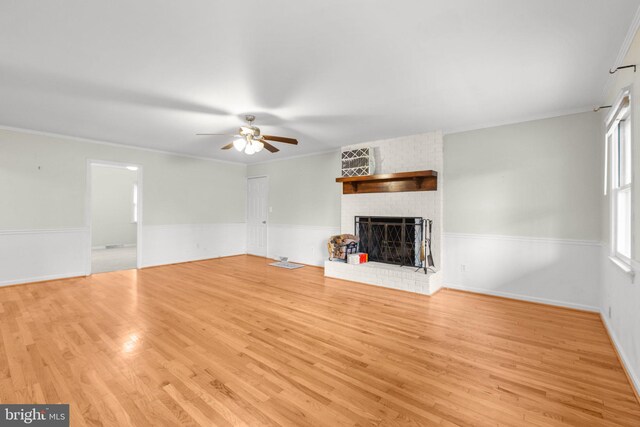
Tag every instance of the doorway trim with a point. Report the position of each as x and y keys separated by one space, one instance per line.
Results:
x=246 y=217
x=88 y=210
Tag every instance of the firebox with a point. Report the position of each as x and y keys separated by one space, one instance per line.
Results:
x=391 y=240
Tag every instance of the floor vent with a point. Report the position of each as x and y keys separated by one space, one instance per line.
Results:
x=287 y=265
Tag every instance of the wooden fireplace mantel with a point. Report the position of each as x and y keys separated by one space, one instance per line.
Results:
x=390 y=182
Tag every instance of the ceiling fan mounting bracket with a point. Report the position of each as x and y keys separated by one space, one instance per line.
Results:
x=250 y=118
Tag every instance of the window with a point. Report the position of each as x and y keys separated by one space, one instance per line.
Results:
x=134 y=211
x=618 y=142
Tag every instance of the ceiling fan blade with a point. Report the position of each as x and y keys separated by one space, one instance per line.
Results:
x=269 y=147
x=226 y=147
x=210 y=134
x=280 y=139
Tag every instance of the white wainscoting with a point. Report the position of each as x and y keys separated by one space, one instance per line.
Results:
x=552 y=271
x=306 y=244
x=170 y=244
x=621 y=313
x=37 y=255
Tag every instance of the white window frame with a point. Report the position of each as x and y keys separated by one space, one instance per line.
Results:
x=621 y=111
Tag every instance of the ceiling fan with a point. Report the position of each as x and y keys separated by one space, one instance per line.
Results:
x=250 y=140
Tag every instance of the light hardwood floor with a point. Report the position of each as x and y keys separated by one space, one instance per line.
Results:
x=236 y=342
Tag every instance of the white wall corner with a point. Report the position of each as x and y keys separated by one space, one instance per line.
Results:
x=631 y=370
x=619 y=298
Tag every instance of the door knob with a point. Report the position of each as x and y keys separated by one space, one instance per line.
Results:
x=264 y=222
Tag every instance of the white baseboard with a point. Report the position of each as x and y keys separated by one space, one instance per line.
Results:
x=36 y=279
x=525 y=298
x=126 y=245
x=626 y=361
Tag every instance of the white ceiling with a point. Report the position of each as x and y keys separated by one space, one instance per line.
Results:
x=153 y=73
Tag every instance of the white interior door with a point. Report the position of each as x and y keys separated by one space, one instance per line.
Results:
x=257 y=211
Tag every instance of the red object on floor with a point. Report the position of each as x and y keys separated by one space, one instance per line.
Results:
x=364 y=258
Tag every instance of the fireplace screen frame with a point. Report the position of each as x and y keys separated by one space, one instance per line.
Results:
x=398 y=239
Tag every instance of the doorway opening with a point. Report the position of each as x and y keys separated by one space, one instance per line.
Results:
x=114 y=216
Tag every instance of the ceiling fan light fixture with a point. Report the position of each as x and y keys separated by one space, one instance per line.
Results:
x=239 y=144
x=250 y=139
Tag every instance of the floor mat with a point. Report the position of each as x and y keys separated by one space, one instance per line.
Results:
x=287 y=265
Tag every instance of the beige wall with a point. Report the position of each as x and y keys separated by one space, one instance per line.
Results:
x=621 y=291
x=43 y=181
x=303 y=190
x=541 y=178
x=112 y=206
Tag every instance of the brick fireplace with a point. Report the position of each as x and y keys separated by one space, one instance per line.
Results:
x=405 y=154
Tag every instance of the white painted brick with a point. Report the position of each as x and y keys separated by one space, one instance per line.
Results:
x=410 y=153
x=415 y=152
x=394 y=277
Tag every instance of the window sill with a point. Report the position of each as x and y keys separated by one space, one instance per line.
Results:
x=623 y=266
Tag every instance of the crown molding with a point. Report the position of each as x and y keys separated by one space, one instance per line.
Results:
x=624 y=50
x=113 y=144
x=524 y=119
